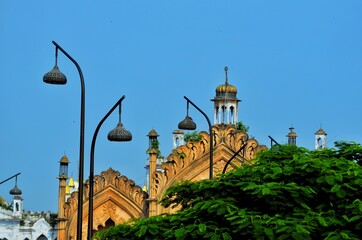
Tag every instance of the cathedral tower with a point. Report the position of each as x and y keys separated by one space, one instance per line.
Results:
x=226 y=103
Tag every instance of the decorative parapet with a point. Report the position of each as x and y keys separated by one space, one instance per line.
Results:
x=187 y=157
x=108 y=178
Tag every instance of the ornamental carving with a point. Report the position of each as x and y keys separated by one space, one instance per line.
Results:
x=191 y=161
x=115 y=197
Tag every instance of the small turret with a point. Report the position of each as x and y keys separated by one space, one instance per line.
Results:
x=292 y=137
x=320 y=139
x=226 y=103
x=178 y=138
x=17 y=201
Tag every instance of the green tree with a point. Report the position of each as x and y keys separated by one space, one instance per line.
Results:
x=289 y=193
x=240 y=126
x=350 y=150
x=192 y=136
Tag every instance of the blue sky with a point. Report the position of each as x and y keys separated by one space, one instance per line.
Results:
x=293 y=62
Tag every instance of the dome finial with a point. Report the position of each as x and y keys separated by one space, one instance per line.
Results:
x=226 y=75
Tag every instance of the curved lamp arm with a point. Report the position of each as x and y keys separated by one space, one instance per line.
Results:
x=91 y=168
x=211 y=137
x=228 y=162
x=81 y=152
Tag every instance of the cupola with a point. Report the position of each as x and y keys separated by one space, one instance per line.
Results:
x=226 y=103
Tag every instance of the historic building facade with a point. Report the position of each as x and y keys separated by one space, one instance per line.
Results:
x=118 y=199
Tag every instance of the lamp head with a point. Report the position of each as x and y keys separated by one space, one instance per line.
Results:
x=187 y=124
x=55 y=76
x=119 y=134
x=15 y=191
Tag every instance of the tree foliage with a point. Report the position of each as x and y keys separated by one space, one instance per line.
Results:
x=240 y=126
x=192 y=136
x=289 y=193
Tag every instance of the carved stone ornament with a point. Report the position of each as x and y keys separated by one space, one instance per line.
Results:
x=191 y=161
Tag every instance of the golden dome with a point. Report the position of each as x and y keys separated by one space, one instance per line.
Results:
x=292 y=134
x=226 y=91
x=226 y=88
x=152 y=133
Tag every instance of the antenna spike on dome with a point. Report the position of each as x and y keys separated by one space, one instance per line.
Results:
x=226 y=75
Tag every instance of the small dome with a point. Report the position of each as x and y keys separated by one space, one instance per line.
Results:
x=71 y=182
x=67 y=190
x=291 y=133
x=226 y=88
x=64 y=159
x=152 y=133
x=320 y=132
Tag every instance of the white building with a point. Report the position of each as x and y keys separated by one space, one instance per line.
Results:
x=15 y=224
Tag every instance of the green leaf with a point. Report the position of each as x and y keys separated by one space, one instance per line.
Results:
x=215 y=237
x=330 y=180
x=265 y=190
x=322 y=221
x=180 y=233
x=301 y=229
x=269 y=233
x=202 y=227
x=335 y=188
x=226 y=236
x=142 y=231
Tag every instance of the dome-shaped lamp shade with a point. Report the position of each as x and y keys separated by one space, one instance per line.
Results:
x=187 y=124
x=119 y=134
x=55 y=76
x=15 y=191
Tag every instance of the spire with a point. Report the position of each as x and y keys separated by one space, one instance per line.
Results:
x=226 y=76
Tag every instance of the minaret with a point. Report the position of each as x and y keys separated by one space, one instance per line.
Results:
x=152 y=142
x=17 y=201
x=292 y=137
x=63 y=176
x=320 y=139
x=226 y=103
x=178 y=138
x=153 y=152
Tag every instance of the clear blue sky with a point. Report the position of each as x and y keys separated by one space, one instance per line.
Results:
x=293 y=62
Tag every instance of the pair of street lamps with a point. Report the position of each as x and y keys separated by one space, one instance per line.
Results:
x=119 y=134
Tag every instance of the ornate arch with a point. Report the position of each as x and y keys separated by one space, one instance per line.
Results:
x=191 y=161
x=115 y=197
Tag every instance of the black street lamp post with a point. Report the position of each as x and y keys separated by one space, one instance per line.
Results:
x=189 y=124
x=56 y=77
x=119 y=134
